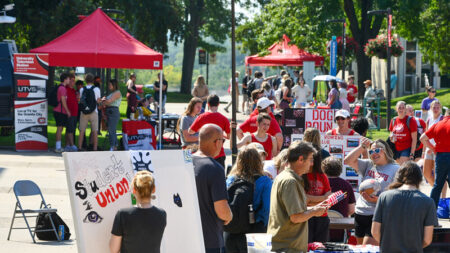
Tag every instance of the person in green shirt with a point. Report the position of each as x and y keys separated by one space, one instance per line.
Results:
x=289 y=214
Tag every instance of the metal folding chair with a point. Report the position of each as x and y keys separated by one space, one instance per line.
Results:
x=29 y=188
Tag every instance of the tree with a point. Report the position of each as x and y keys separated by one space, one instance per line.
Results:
x=304 y=21
x=202 y=19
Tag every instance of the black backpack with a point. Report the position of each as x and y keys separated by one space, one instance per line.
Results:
x=43 y=222
x=53 y=96
x=240 y=196
x=87 y=102
x=250 y=87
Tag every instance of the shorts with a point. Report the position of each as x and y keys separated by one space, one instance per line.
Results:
x=60 y=118
x=86 y=118
x=363 y=225
x=245 y=97
x=404 y=152
x=71 y=124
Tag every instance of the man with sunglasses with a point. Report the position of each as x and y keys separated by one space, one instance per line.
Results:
x=342 y=118
x=213 y=117
x=427 y=101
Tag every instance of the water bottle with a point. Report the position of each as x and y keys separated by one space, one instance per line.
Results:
x=133 y=199
x=61 y=232
x=251 y=214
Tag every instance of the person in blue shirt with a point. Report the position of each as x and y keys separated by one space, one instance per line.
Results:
x=249 y=166
x=393 y=80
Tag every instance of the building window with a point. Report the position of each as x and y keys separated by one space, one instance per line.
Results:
x=410 y=46
x=411 y=63
x=409 y=82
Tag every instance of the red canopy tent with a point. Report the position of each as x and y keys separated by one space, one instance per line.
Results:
x=283 y=54
x=98 y=42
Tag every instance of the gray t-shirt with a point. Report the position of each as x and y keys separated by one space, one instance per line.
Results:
x=383 y=174
x=186 y=122
x=402 y=228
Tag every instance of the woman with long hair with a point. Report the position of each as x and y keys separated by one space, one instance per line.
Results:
x=343 y=96
x=381 y=167
x=200 y=90
x=140 y=228
x=403 y=209
x=249 y=167
x=131 y=95
x=333 y=96
x=112 y=102
x=286 y=94
x=404 y=134
x=187 y=118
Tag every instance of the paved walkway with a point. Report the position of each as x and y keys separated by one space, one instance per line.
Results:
x=47 y=170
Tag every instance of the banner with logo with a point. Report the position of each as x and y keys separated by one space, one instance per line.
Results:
x=333 y=56
x=100 y=184
x=30 y=89
x=138 y=135
x=30 y=124
x=31 y=75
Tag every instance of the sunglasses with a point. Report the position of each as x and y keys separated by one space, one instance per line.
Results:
x=339 y=118
x=433 y=91
x=376 y=151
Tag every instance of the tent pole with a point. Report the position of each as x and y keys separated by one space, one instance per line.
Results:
x=160 y=108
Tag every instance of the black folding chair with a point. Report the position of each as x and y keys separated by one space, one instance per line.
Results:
x=29 y=188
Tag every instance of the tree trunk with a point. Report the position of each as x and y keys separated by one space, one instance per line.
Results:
x=190 y=46
x=364 y=64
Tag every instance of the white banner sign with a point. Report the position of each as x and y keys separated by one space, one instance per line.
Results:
x=30 y=124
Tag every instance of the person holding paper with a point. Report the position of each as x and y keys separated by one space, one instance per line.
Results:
x=140 y=228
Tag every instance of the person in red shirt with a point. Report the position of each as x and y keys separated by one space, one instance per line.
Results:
x=261 y=136
x=440 y=132
x=342 y=118
x=317 y=190
x=352 y=90
x=404 y=135
x=213 y=117
x=61 y=111
x=72 y=104
x=251 y=125
x=421 y=126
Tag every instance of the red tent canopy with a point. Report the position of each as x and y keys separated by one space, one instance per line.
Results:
x=283 y=54
x=98 y=42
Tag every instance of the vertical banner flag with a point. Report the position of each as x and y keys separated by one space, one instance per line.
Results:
x=389 y=30
x=333 y=56
x=30 y=122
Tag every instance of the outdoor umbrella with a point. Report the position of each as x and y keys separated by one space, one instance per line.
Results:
x=327 y=78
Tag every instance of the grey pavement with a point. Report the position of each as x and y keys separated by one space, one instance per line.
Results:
x=47 y=170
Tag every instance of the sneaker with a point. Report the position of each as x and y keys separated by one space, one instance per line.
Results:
x=68 y=149
x=59 y=150
x=74 y=148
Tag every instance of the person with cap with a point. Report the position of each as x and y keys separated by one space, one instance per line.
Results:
x=369 y=95
x=251 y=124
x=342 y=119
x=261 y=136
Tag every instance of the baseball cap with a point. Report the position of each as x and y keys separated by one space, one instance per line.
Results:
x=264 y=102
x=342 y=113
x=258 y=146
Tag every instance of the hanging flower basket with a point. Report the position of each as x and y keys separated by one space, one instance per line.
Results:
x=378 y=47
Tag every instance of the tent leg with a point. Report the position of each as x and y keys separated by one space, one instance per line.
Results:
x=160 y=109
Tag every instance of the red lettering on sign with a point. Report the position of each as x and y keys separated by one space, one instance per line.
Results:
x=110 y=195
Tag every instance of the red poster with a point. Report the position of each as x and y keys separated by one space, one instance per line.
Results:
x=31 y=66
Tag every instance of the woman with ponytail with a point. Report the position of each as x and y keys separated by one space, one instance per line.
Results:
x=140 y=228
x=404 y=217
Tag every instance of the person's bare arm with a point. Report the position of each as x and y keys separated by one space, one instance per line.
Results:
x=274 y=146
x=223 y=211
x=316 y=210
x=426 y=142
x=352 y=158
x=190 y=131
x=414 y=142
x=376 y=231
x=351 y=209
x=427 y=235
x=189 y=137
x=64 y=104
x=314 y=200
x=279 y=137
x=114 y=243
x=113 y=98
x=244 y=141
x=239 y=133
x=328 y=133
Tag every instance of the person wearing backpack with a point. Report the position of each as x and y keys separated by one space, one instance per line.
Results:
x=247 y=185
x=404 y=134
x=61 y=111
x=89 y=98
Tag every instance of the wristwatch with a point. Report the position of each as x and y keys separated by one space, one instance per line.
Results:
x=411 y=155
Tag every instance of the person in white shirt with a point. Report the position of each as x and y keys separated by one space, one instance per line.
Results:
x=89 y=113
x=301 y=92
x=369 y=95
x=343 y=96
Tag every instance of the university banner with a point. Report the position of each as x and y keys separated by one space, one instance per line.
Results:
x=30 y=122
x=138 y=135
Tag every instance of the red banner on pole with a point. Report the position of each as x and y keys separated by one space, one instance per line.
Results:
x=389 y=30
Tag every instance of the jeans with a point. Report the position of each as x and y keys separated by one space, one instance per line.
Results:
x=442 y=173
x=113 y=115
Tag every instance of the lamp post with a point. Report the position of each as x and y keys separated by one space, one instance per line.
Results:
x=388 y=53
x=234 y=84
x=343 y=42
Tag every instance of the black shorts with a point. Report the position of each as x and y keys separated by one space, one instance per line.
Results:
x=71 y=124
x=363 y=225
x=60 y=118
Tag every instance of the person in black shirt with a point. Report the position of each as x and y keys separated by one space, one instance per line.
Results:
x=211 y=188
x=245 y=98
x=141 y=228
x=164 y=93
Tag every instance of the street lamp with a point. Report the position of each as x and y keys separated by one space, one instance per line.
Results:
x=234 y=86
x=4 y=18
x=388 y=53
x=343 y=42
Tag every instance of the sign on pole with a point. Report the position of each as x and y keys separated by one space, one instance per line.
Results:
x=201 y=56
x=333 y=56
x=389 y=30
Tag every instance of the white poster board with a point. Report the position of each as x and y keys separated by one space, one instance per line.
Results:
x=30 y=124
x=176 y=193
